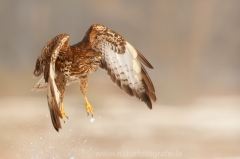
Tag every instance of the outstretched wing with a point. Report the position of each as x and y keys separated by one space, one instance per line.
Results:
x=122 y=62
x=46 y=62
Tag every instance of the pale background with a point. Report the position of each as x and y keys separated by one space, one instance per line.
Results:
x=194 y=47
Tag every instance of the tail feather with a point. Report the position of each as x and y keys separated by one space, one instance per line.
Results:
x=40 y=86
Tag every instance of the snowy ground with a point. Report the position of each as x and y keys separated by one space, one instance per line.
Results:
x=208 y=128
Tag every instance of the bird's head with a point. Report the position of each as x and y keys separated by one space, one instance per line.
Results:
x=92 y=58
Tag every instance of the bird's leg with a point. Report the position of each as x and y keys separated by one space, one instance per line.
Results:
x=89 y=108
x=64 y=114
x=83 y=87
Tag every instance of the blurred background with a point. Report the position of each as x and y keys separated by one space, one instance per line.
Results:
x=194 y=47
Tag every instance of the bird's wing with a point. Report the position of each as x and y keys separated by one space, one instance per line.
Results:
x=53 y=93
x=47 y=61
x=122 y=62
x=44 y=58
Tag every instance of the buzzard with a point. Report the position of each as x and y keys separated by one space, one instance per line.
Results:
x=62 y=65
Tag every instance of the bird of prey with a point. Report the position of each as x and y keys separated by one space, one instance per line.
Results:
x=62 y=65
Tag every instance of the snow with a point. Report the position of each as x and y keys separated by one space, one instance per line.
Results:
x=27 y=132
x=92 y=120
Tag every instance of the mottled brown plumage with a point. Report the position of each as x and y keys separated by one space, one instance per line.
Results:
x=62 y=65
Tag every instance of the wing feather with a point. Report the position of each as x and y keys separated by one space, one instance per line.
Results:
x=46 y=62
x=46 y=53
x=143 y=60
x=122 y=62
x=53 y=92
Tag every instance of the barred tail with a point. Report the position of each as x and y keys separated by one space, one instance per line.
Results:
x=40 y=86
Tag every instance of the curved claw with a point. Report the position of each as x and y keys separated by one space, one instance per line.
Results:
x=64 y=114
x=89 y=108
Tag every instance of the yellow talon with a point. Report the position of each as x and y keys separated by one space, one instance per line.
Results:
x=89 y=108
x=64 y=114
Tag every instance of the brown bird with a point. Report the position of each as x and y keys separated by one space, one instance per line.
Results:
x=62 y=65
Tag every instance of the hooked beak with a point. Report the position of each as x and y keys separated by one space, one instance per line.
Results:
x=98 y=60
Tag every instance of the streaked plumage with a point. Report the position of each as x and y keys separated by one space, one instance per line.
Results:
x=62 y=65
